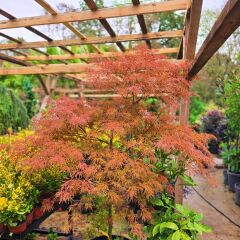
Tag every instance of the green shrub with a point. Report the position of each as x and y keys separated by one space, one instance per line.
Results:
x=13 y=114
x=197 y=107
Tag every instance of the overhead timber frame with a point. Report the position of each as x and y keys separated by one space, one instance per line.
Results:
x=227 y=22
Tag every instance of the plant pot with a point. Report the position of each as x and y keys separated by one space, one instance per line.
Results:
x=2 y=228
x=37 y=213
x=237 y=194
x=29 y=218
x=225 y=177
x=233 y=178
x=20 y=228
x=106 y=238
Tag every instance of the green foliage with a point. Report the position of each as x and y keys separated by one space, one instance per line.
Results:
x=232 y=104
x=167 y=164
x=230 y=155
x=18 y=196
x=197 y=107
x=232 y=101
x=52 y=235
x=13 y=113
x=48 y=181
x=178 y=223
x=31 y=236
x=30 y=100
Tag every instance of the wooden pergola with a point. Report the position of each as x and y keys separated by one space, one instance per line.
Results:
x=225 y=25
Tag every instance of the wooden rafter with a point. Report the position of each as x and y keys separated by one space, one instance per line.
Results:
x=225 y=25
x=93 y=6
x=53 y=12
x=99 y=14
x=19 y=62
x=93 y=40
x=31 y=29
x=46 y=69
x=18 y=41
x=89 y=55
x=13 y=60
x=191 y=29
x=53 y=69
x=142 y=23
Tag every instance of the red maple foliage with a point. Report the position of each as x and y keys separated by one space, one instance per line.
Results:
x=107 y=147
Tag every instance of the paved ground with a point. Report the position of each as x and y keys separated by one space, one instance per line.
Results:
x=222 y=199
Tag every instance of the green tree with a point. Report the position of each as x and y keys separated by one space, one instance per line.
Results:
x=197 y=107
x=13 y=113
x=30 y=100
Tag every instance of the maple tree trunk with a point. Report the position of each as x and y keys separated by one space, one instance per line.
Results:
x=110 y=221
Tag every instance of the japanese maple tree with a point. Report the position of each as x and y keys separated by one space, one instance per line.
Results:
x=107 y=147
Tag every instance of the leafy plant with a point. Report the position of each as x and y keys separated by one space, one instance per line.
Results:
x=48 y=180
x=232 y=103
x=178 y=223
x=52 y=235
x=214 y=122
x=18 y=196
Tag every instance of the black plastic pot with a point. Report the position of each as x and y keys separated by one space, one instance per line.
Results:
x=114 y=237
x=233 y=178
x=237 y=194
x=225 y=177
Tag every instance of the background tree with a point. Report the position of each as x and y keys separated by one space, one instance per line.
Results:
x=13 y=114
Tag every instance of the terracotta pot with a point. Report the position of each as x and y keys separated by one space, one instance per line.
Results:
x=37 y=213
x=20 y=228
x=2 y=228
x=29 y=218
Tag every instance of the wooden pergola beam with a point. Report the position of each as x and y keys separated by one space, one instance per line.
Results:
x=55 y=69
x=142 y=23
x=173 y=5
x=31 y=29
x=92 y=40
x=225 y=25
x=191 y=29
x=93 y=6
x=46 y=69
x=11 y=59
x=25 y=64
x=90 y=55
x=53 y=12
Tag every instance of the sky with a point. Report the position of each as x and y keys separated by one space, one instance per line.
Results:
x=27 y=8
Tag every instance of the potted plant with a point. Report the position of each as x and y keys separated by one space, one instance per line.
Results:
x=18 y=196
x=107 y=148
x=177 y=222
x=233 y=166
x=47 y=181
x=232 y=104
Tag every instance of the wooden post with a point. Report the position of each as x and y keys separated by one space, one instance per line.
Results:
x=183 y=118
x=188 y=50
